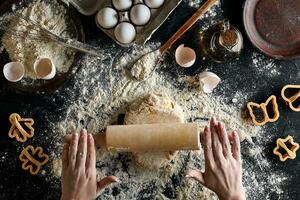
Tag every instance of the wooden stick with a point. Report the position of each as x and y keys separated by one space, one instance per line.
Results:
x=199 y=13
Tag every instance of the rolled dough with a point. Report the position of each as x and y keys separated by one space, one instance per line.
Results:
x=154 y=108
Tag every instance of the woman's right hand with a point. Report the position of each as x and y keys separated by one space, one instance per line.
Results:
x=223 y=169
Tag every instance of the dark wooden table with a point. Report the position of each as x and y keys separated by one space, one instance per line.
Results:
x=17 y=184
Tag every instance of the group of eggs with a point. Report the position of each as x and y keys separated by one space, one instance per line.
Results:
x=139 y=15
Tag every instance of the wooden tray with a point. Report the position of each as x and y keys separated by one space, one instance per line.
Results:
x=41 y=86
x=273 y=26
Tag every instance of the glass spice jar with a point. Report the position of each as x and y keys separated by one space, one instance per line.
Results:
x=221 y=42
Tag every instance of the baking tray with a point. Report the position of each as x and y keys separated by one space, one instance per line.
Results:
x=274 y=26
x=42 y=86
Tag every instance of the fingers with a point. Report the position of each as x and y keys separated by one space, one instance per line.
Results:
x=216 y=144
x=65 y=158
x=223 y=137
x=91 y=154
x=209 y=158
x=106 y=182
x=196 y=174
x=236 y=146
x=73 y=150
x=82 y=150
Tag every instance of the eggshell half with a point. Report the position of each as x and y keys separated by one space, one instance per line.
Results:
x=209 y=81
x=185 y=56
x=44 y=68
x=14 y=71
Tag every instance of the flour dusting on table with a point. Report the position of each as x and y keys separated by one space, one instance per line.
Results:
x=265 y=66
x=102 y=91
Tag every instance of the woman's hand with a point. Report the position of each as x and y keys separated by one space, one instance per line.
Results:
x=79 y=169
x=223 y=169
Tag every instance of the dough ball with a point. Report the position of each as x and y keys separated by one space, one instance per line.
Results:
x=154 y=108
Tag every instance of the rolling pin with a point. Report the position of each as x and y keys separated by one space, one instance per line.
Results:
x=150 y=137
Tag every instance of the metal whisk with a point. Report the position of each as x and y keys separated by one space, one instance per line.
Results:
x=39 y=33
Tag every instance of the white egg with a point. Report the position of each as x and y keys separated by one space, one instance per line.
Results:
x=125 y=32
x=154 y=3
x=140 y=14
x=122 y=5
x=107 y=18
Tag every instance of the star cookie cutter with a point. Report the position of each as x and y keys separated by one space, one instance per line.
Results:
x=290 y=153
x=33 y=159
x=291 y=100
x=17 y=130
x=263 y=107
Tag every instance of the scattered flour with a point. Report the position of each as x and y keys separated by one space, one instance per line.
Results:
x=102 y=92
x=195 y=3
x=145 y=65
x=51 y=16
x=265 y=66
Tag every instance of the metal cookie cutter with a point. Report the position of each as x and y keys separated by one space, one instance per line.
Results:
x=291 y=100
x=263 y=107
x=290 y=152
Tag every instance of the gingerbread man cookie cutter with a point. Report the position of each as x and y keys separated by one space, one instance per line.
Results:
x=33 y=159
x=291 y=100
x=263 y=107
x=17 y=130
x=290 y=152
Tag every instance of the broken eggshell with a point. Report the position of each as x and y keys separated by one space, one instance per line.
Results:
x=185 y=56
x=44 y=68
x=14 y=71
x=208 y=81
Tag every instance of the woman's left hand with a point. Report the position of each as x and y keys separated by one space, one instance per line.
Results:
x=79 y=169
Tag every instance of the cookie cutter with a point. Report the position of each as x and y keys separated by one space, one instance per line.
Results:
x=17 y=130
x=292 y=99
x=290 y=152
x=263 y=107
x=33 y=159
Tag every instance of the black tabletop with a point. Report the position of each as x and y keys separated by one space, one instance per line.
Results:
x=17 y=184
